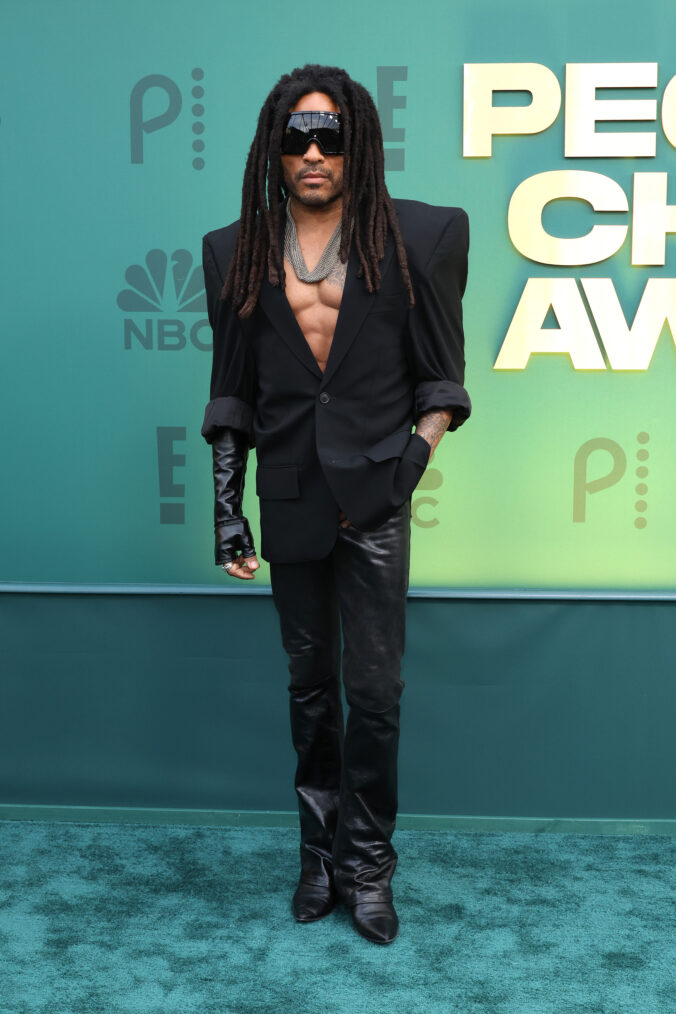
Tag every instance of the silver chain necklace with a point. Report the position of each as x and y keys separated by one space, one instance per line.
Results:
x=326 y=263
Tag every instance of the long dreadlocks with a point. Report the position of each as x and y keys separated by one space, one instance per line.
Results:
x=365 y=195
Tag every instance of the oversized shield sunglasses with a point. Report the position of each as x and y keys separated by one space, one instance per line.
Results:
x=309 y=125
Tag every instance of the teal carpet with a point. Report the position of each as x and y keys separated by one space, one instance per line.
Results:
x=173 y=920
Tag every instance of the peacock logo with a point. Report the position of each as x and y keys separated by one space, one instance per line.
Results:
x=614 y=459
x=148 y=284
x=165 y=286
x=144 y=118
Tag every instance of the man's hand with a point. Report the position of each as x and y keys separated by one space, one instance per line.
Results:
x=432 y=426
x=343 y=521
x=242 y=567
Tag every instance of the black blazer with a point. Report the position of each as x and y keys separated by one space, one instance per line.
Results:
x=341 y=439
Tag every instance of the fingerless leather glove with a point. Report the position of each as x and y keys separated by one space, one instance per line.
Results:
x=230 y=450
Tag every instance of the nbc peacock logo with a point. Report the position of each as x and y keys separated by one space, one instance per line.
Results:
x=159 y=291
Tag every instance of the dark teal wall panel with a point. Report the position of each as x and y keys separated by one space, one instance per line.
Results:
x=143 y=700
x=541 y=708
x=511 y=708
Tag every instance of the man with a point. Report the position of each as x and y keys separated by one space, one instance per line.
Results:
x=337 y=321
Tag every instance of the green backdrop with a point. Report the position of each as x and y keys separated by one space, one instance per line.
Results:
x=123 y=136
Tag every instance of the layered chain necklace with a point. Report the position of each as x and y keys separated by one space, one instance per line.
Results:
x=326 y=263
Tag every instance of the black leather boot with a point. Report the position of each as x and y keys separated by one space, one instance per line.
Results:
x=363 y=855
x=317 y=733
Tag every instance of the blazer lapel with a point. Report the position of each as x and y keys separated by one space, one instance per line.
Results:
x=354 y=305
x=278 y=310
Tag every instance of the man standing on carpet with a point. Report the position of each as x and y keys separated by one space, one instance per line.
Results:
x=337 y=321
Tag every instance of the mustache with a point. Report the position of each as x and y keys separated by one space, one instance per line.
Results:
x=314 y=172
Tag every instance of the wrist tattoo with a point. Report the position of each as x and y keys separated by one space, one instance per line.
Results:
x=432 y=425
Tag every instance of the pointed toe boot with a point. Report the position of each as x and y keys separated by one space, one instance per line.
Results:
x=375 y=920
x=317 y=734
x=313 y=901
x=363 y=855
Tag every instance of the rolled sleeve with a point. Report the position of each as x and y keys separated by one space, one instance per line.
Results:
x=227 y=412
x=431 y=394
x=436 y=341
x=232 y=390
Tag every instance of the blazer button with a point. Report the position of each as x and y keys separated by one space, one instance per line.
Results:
x=324 y=398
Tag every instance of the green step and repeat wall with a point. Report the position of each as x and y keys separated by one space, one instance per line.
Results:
x=124 y=131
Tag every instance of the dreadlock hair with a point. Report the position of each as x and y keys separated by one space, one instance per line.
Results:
x=365 y=196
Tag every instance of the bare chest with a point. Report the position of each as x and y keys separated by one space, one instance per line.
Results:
x=315 y=306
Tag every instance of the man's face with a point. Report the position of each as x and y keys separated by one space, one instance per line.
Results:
x=314 y=179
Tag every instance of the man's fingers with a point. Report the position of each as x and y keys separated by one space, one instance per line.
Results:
x=243 y=568
x=243 y=573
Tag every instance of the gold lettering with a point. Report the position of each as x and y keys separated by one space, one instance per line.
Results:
x=583 y=110
x=632 y=348
x=482 y=120
x=526 y=335
x=653 y=218
x=669 y=111
x=524 y=217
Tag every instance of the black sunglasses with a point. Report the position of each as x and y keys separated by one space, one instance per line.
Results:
x=308 y=125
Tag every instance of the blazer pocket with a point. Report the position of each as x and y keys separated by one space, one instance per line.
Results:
x=418 y=450
x=391 y=446
x=277 y=482
x=411 y=467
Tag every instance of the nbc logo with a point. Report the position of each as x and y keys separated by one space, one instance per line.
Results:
x=168 y=289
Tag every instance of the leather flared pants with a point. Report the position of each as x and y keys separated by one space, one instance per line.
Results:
x=346 y=775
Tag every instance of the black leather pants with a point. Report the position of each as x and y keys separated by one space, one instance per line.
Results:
x=346 y=778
